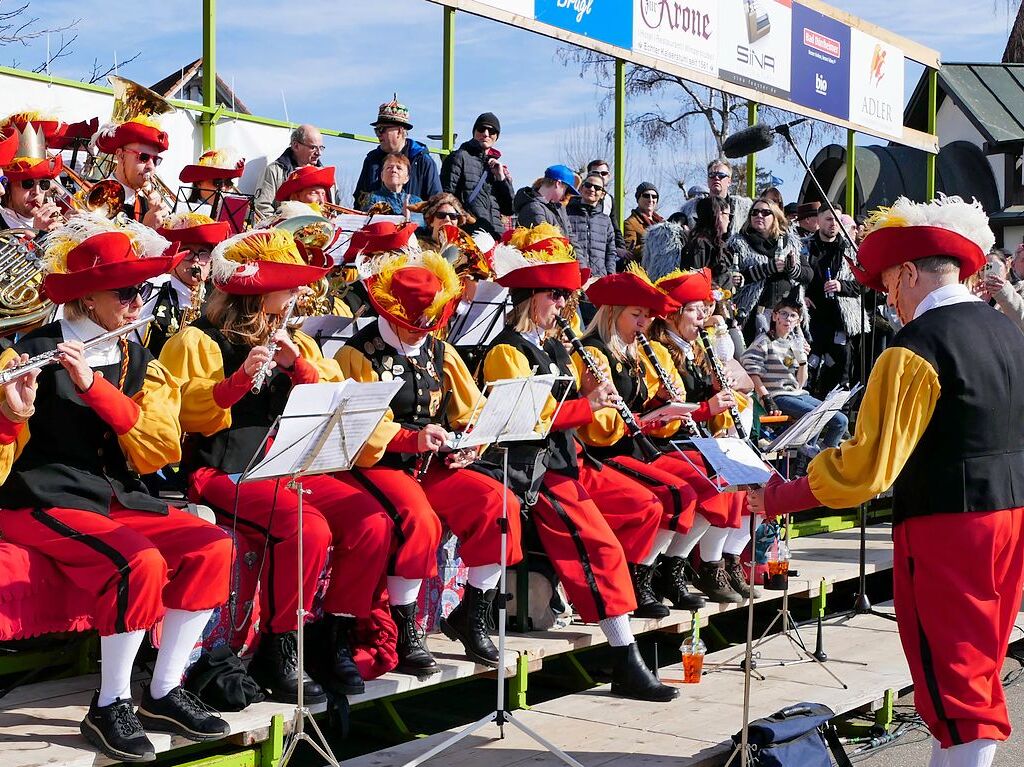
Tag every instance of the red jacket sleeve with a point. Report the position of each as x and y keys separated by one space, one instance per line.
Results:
x=573 y=414
x=112 y=405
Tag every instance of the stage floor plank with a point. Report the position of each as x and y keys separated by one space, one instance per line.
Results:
x=39 y=722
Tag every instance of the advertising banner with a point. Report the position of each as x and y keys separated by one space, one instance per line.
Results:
x=519 y=7
x=610 y=21
x=754 y=45
x=876 y=84
x=821 y=62
x=681 y=33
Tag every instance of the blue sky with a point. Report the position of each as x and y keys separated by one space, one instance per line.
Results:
x=334 y=61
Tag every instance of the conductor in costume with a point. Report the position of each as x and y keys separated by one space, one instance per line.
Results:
x=939 y=424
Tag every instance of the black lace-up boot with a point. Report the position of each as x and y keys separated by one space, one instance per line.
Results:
x=413 y=655
x=468 y=624
x=276 y=668
x=647 y=604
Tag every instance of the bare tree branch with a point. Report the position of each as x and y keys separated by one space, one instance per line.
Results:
x=96 y=75
x=16 y=27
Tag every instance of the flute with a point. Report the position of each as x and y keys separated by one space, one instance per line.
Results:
x=263 y=373
x=643 y=442
x=667 y=382
x=44 y=359
x=719 y=373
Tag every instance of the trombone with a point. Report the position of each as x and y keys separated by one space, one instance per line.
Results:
x=155 y=183
x=105 y=197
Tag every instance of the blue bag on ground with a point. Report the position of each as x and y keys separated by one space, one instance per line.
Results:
x=791 y=737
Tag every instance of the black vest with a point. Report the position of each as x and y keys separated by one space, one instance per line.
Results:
x=418 y=402
x=559 y=446
x=971 y=456
x=72 y=458
x=166 y=318
x=632 y=388
x=232 y=449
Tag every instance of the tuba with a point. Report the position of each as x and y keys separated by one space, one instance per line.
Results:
x=22 y=305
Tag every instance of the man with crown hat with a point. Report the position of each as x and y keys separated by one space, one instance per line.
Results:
x=181 y=294
x=27 y=202
x=136 y=146
x=938 y=424
x=392 y=128
x=79 y=501
x=596 y=524
x=414 y=292
x=256 y=275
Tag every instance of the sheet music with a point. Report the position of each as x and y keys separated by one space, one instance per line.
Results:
x=511 y=413
x=809 y=427
x=734 y=461
x=671 y=412
x=301 y=444
x=483 y=320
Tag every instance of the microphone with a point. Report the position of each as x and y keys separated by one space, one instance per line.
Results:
x=755 y=138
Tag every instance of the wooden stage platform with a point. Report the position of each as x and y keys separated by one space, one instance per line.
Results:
x=39 y=723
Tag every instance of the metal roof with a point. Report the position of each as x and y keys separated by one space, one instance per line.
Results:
x=990 y=95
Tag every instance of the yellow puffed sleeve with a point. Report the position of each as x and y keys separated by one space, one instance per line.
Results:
x=355 y=365
x=503 y=362
x=9 y=451
x=327 y=368
x=898 y=404
x=607 y=428
x=155 y=439
x=465 y=394
x=194 y=359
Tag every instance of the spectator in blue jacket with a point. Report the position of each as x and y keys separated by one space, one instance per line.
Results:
x=393 y=190
x=392 y=129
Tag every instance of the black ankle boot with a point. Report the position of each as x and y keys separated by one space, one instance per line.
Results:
x=468 y=624
x=670 y=583
x=647 y=604
x=713 y=581
x=345 y=674
x=116 y=731
x=413 y=655
x=737 y=578
x=276 y=668
x=632 y=679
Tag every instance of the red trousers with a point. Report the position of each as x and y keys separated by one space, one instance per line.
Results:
x=632 y=511
x=583 y=549
x=720 y=509
x=663 y=477
x=333 y=514
x=136 y=563
x=957 y=581
x=469 y=502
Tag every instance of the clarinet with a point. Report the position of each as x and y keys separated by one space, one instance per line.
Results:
x=272 y=346
x=643 y=442
x=719 y=373
x=667 y=382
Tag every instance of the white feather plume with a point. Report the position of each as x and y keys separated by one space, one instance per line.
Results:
x=507 y=259
x=967 y=219
x=484 y=240
x=107 y=130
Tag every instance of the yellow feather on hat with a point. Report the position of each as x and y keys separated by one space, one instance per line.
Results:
x=384 y=268
x=558 y=247
x=387 y=265
x=635 y=269
x=274 y=245
x=186 y=220
x=60 y=242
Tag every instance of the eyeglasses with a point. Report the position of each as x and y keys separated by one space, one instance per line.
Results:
x=202 y=256
x=315 y=148
x=760 y=212
x=128 y=294
x=595 y=187
x=487 y=129
x=42 y=183
x=788 y=315
x=719 y=175
x=604 y=173
x=145 y=157
x=557 y=293
x=449 y=215
x=650 y=195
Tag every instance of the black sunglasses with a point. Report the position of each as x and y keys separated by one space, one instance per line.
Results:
x=595 y=187
x=719 y=175
x=557 y=293
x=42 y=183
x=650 y=195
x=450 y=215
x=760 y=212
x=145 y=157
x=128 y=294
x=487 y=129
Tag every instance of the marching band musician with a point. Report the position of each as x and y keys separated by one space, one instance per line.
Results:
x=136 y=146
x=719 y=524
x=938 y=423
x=308 y=184
x=592 y=526
x=256 y=276
x=215 y=171
x=414 y=292
x=79 y=501
x=181 y=294
x=626 y=304
x=27 y=202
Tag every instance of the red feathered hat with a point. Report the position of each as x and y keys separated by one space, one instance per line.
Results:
x=379 y=237
x=305 y=177
x=631 y=288
x=908 y=231
x=109 y=139
x=104 y=261
x=214 y=164
x=416 y=291
x=684 y=287
x=75 y=133
x=538 y=258
x=8 y=148
x=262 y=261
x=24 y=168
x=194 y=229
